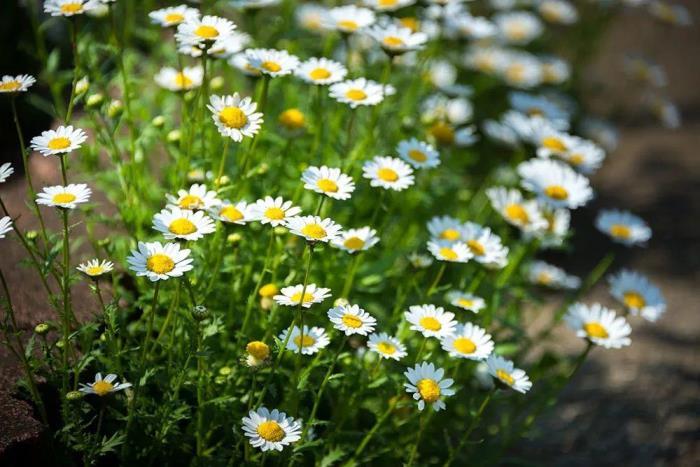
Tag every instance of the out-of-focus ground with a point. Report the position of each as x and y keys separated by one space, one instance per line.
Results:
x=639 y=406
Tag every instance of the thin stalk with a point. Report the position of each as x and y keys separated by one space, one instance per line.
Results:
x=350 y=278
x=222 y=162
x=73 y=26
x=66 y=299
x=372 y=431
x=423 y=423
x=470 y=429
x=436 y=281
x=149 y=326
x=125 y=81
x=253 y=296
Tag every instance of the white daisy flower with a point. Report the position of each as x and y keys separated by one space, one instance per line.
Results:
x=557 y=229
x=62 y=140
x=19 y=83
x=313 y=228
x=175 y=80
x=291 y=296
x=311 y=341
x=196 y=198
x=500 y=133
x=103 y=386
x=555 y=184
x=321 y=71
x=183 y=224
x=241 y=63
x=5 y=226
x=203 y=32
x=467 y=26
x=455 y=252
x=386 y=346
x=466 y=301
x=419 y=154
x=486 y=247
x=159 y=261
x=239 y=213
x=523 y=214
x=271 y=430
x=427 y=385
x=6 y=170
x=387 y=5
x=547 y=275
x=505 y=372
x=485 y=59
x=538 y=105
x=458 y=110
x=552 y=142
x=445 y=228
x=354 y=240
x=253 y=4
x=558 y=11
x=521 y=70
x=351 y=319
x=431 y=321
x=396 y=40
x=584 y=156
x=69 y=7
x=66 y=197
x=235 y=117
x=420 y=261
x=272 y=62
x=623 y=227
x=273 y=211
x=638 y=294
x=599 y=325
x=310 y=16
x=347 y=19
x=675 y=14
x=172 y=16
x=518 y=27
x=388 y=173
x=468 y=341
x=328 y=181
x=554 y=70
x=357 y=92
x=226 y=47
x=95 y=268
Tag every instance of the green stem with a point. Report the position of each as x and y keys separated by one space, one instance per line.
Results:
x=222 y=163
x=350 y=278
x=372 y=431
x=66 y=299
x=254 y=295
x=470 y=429
x=436 y=281
x=73 y=26
x=423 y=423
x=149 y=326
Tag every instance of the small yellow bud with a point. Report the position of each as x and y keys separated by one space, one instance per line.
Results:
x=173 y=136
x=292 y=119
x=95 y=100
x=258 y=350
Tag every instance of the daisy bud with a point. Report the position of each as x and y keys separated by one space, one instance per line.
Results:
x=200 y=313
x=189 y=96
x=268 y=290
x=31 y=235
x=263 y=168
x=158 y=121
x=216 y=83
x=266 y=303
x=74 y=395
x=279 y=230
x=292 y=119
x=42 y=328
x=82 y=86
x=234 y=238
x=115 y=108
x=103 y=242
x=341 y=301
x=95 y=100
x=225 y=370
x=223 y=180
x=258 y=349
x=220 y=380
x=195 y=176
x=59 y=344
x=173 y=136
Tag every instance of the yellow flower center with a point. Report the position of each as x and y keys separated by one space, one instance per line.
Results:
x=448 y=254
x=387 y=3
x=190 y=202
x=443 y=133
x=634 y=299
x=354 y=243
x=576 y=159
x=182 y=226
x=430 y=323
x=174 y=18
x=233 y=117
x=292 y=119
x=387 y=174
x=94 y=270
x=207 y=32
x=429 y=390
x=59 y=143
x=271 y=66
x=484 y=63
x=319 y=73
x=160 y=263
x=327 y=185
x=352 y=321
x=102 y=388
x=516 y=31
x=544 y=278
x=10 y=86
x=515 y=72
x=464 y=345
x=258 y=349
x=314 y=231
x=476 y=247
x=231 y=214
x=386 y=348
x=620 y=231
x=182 y=81
x=271 y=431
x=307 y=341
x=347 y=25
x=450 y=234
x=71 y=8
x=504 y=376
x=274 y=213
x=356 y=95
x=465 y=302
x=557 y=192
x=594 y=329
x=410 y=23
x=63 y=198
x=535 y=112
x=553 y=144
x=516 y=212
x=393 y=41
x=308 y=297
x=268 y=290
x=418 y=156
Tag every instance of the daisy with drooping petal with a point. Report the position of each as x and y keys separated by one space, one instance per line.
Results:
x=310 y=341
x=95 y=268
x=427 y=385
x=313 y=228
x=66 y=197
x=5 y=225
x=19 y=83
x=356 y=92
x=518 y=27
x=272 y=62
x=556 y=230
x=468 y=341
x=239 y=213
x=388 y=173
x=235 y=117
x=455 y=252
x=386 y=346
x=62 y=140
x=351 y=319
x=623 y=227
x=431 y=321
x=273 y=211
x=179 y=80
x=445 y=228
x=505 y=372
x=396 y=40
x=291 y=296
x=321 y=71
x=328 y=181
x=419 y=154
x=485 y=246
x=638 y=294
x=103 y=386
x=599 y=325
x=196 y=198
x=466 y=301
x=183 y=224
x=172 y=16
x=6 y=170
x=555 y=184
x=523 y=214
x=354 y=240
x=348 y=19
x=271 y=431
x=548 y=275
x=69 y=7
x=203 y=32
x=159 y=261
